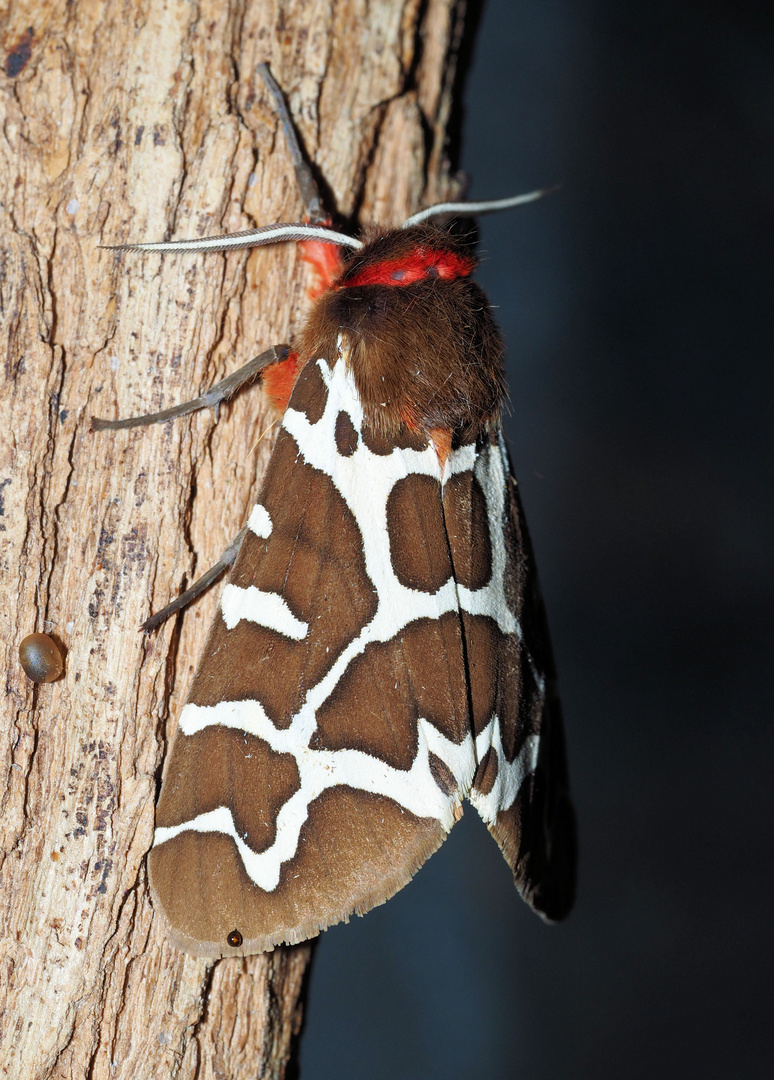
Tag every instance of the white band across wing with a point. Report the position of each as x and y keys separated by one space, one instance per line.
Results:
x=415 y=789
x=263 y=608
x=510 y=774
x=259 y=522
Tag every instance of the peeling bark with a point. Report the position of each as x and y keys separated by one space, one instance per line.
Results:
x=138 y=120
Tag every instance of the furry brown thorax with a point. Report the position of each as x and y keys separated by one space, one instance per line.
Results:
x=424 y=348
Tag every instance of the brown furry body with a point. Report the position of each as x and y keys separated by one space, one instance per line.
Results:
x=426 y=354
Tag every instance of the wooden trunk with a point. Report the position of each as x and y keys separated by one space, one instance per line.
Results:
x=126 y=121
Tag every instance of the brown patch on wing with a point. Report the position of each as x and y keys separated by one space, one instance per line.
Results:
x=356 y=850
x=310 y=393
x=493 y=658
x=419 y=550
x=486 y=773
x=501 y=682
x=223 y=766
x=401 y=438
x=464 y=508
x=345 y=435
x=376 y=704
x=483 y=642
x=252 y=663
x=314 y=559
x=442 y=774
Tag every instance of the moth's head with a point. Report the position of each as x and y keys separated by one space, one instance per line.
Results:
x=406 y=256
x=422 y=344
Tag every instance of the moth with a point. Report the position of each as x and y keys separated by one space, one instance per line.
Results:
x=380 y=653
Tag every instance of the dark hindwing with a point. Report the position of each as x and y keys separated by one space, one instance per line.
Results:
x=521 y=785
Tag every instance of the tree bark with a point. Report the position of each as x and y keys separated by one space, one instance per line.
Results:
x=132 y=121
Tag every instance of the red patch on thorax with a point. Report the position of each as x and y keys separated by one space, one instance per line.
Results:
x=419 y=265
x=279 y=379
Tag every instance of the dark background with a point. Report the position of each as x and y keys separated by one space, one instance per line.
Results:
x=637 y=308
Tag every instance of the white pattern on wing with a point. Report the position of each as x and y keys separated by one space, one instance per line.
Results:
x=268 y=609
x=259 y=521
x=491 y=471
x=365 y=481
x=414 y=789
x=510 y=774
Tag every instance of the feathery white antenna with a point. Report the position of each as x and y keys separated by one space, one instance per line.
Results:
x=471 y=208
x=267 y=234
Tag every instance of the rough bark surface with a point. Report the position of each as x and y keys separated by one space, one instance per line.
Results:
x=135 y=120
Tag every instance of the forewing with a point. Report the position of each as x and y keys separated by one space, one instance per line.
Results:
x=326 y=743
x=521 y=787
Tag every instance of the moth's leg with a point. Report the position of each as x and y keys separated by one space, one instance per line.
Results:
x=315 y=211
x=198 y=587
x=222 y=391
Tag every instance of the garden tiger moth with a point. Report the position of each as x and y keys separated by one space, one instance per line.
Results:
x=380 y=651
